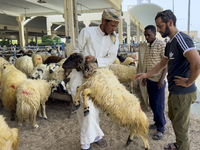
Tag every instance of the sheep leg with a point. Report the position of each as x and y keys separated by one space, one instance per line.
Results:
x=130 y=138
x=20 y=120
x=131 y=87
x=145 y=140
x=34 y=120
x=39 y=111
x=85 y=103
x=44 y=111
x=77 y=98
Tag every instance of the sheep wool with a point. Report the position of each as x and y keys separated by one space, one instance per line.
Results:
x=25 y=64
x=125 y=74
x=9 y=86
x=128 y=61
x=37 y=59
x=120 y=105
x=116 y=61
x=30 y=94
x=8 y=137
x=2 y=61
x=40 y=72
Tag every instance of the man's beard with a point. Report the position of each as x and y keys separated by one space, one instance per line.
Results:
x=167 y=32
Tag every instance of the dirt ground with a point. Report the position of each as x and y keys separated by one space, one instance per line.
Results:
x=60 y=133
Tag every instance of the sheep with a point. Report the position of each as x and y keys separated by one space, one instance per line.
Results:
x=62 y=61
x=44 y=55
x=2 y=61
x=8 y=137
x=11 y=79
x=121 y=58
x=125 y=74
x=108 y=94
x=30 y=95
x=56 y=72
x=37 y=59
x=12 y=60
x=53 y=59
x=24 y=64
x=129 y=61
x=40 y=72
x=116 y=61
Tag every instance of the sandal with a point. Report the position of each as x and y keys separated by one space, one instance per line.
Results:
x=152 y=126
x=158 y=135
x=102 y=143
x=169 y=146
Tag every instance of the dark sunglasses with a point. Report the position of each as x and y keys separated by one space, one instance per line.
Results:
x=159 y=14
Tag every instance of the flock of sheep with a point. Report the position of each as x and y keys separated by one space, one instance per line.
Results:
x=27 y=82
x=25 y=85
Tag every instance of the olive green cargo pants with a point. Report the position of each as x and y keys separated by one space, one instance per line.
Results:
x=179 y=113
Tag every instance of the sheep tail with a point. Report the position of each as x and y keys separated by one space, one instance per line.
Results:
x=24 y=111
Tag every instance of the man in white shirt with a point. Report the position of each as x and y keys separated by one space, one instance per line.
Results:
x=98 y=45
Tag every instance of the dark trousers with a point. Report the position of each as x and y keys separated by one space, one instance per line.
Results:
x=157 y=103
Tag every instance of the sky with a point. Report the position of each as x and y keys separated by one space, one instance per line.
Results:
x=180 y=10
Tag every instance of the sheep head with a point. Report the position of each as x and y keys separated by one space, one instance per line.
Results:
x=74 y=61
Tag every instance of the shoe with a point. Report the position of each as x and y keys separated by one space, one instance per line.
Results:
x=152 y=126
x=102 y=143
x=169 y=146
x=158 y=135
x=88 y=148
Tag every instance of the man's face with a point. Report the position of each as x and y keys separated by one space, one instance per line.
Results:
x=110 y=27
x=162 y=27
x=149 y=35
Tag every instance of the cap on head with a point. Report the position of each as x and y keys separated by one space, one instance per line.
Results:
x=111 y=14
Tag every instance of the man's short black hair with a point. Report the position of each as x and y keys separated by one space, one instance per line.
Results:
x=151 y=27
x=166 y=15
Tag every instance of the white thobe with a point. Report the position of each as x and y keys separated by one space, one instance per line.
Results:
x=91 y=41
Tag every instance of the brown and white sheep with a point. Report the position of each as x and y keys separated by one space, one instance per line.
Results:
x=8 y=137
x=108 y=94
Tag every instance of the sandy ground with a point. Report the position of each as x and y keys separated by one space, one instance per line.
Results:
x=60 y=133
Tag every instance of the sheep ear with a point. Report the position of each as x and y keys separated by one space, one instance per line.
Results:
x=40 y=70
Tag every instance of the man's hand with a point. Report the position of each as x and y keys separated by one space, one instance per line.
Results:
x=161 y=83
x=89 y=59
x=140 y=76
x=181 y=81
x=144 y=82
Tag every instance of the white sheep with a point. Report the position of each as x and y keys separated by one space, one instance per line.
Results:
x=24 y=64
x=12 y=60
x=44 y=55
x=11 y=79
x=124 y=73
x=108 y=94
x=40 y=72
x=129 y=61
x=56 y=72
x=30 y=95
x=37 y=59
x=8 y=137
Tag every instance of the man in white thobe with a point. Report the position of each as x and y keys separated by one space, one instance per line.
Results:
x=98 y=45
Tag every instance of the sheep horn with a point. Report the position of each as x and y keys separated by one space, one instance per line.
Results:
x=40 y=70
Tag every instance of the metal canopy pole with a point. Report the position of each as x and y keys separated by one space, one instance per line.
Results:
x=188 y=30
